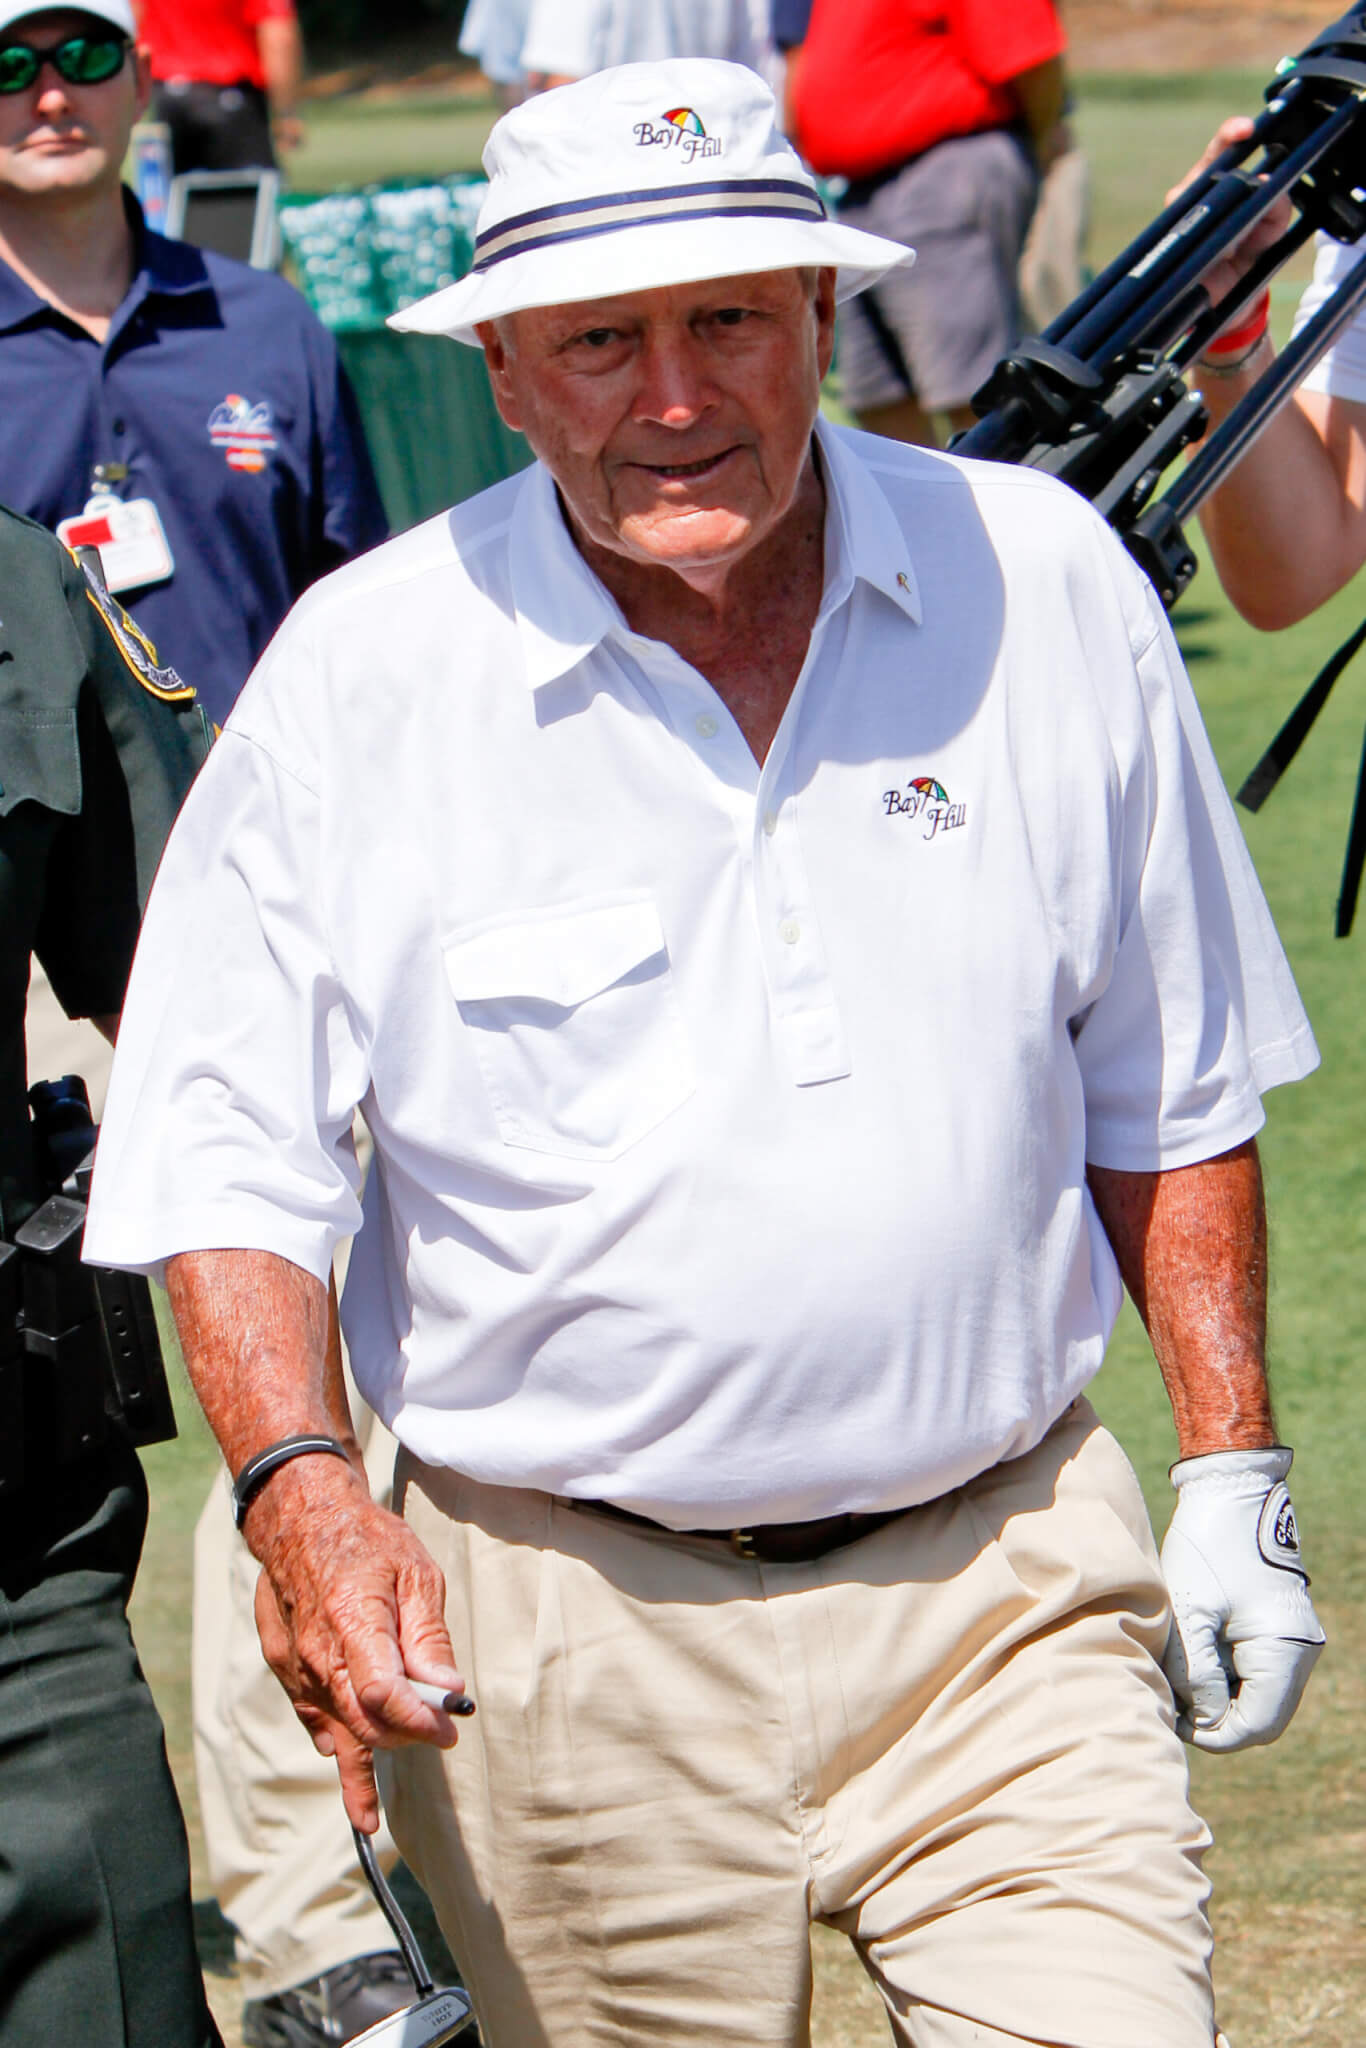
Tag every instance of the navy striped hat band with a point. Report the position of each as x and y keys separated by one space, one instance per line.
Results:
x=731 y=198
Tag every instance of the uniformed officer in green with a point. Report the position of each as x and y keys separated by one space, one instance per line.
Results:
x=98 y=744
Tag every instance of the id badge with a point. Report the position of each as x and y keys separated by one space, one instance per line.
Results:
x=134 y=550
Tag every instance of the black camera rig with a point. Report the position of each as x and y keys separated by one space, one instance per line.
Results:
x=79 y=1349
x=1099 y=398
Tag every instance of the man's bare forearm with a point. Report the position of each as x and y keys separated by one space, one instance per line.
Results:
x=262 y=1349
x=280 y=43
x=1191 y=1246
x=350 y=1604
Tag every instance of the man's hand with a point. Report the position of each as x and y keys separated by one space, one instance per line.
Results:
x=349 y=1608
x=1191 y=1245
x=1240 y=1599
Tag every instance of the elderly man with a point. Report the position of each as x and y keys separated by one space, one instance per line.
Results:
x=798 y=957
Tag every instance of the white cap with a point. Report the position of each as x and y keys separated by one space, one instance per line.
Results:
x=637 y=177
x=118 y=13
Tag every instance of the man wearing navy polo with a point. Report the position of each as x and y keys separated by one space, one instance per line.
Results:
x=190 y=417
x=186 y=413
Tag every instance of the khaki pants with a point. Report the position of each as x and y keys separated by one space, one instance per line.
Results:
x=278 y=1842
x=951 y=1740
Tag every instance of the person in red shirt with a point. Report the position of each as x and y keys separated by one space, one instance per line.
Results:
x=226 y=79
x=941 y=114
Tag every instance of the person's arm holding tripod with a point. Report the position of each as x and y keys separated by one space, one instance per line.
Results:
x=1287 y=528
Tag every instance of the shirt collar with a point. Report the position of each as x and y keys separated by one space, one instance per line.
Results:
x=168 y=269
x=161 y=268
x=563 y=612
x=863 y=536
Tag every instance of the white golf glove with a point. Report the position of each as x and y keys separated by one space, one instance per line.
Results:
x=1240 y=1598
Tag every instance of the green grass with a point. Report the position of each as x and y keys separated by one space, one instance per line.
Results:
x=355 y=142
x=1290 y=1821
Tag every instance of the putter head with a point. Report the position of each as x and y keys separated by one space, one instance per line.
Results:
x=428 y=2023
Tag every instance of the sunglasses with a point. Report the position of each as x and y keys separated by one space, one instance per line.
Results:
x=80 y=60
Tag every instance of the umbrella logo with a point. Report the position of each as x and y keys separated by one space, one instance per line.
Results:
x=678 y=128
x=926 y=798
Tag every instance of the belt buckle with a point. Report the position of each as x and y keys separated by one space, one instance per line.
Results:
x=742 y=1543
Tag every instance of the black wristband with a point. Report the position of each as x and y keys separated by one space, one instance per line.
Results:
x=257 y=1470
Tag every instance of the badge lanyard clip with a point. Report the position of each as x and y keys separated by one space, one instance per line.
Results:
x=134 y=550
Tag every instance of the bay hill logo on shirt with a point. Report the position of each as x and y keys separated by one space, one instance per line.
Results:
x=245 y=431
x=926 y=803
x=679 y=129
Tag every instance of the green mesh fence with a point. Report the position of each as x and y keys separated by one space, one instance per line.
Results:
x=433 y=429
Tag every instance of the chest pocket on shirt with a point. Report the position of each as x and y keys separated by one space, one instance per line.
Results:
x=576 y=1026
x=40 y=757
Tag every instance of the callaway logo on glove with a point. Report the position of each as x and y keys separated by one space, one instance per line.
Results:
x=1245 y=1636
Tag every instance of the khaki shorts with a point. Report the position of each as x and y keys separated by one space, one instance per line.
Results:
x=951 y=1740
x=936 y=331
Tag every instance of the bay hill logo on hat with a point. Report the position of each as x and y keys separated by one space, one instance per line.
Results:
x=638 y=178
x=244 y=430
x=680 y=129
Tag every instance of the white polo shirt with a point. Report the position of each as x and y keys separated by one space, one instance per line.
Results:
x=572 y=38
x=730 y=1123
x=1341 y=370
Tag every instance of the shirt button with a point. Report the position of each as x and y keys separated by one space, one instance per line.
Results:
x=789 y=931
x=706 y=725
x=770 y=823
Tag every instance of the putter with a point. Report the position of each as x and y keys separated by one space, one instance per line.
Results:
x=439 y=2013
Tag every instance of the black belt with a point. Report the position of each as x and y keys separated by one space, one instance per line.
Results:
x=768 y=1542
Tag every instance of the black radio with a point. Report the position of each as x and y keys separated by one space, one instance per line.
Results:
x=80 y=1353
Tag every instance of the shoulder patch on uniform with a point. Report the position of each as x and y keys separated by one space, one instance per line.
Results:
x=132 y=643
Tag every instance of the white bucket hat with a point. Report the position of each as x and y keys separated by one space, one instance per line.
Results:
x=118 y=13
x=641 y=176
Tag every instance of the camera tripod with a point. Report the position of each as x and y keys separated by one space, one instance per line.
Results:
x=1099 y=399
